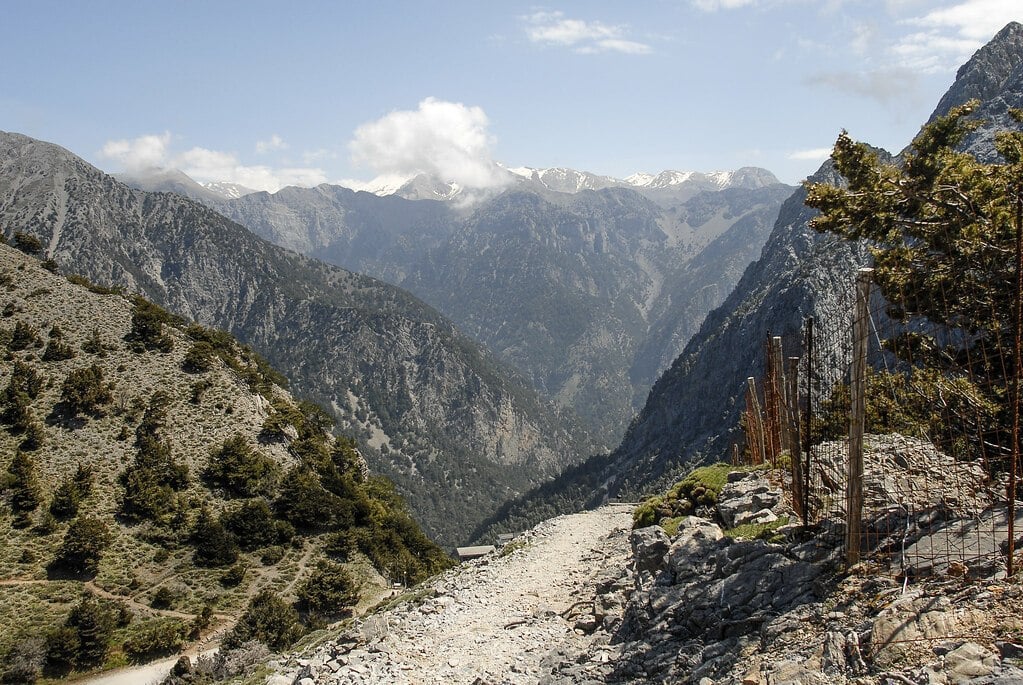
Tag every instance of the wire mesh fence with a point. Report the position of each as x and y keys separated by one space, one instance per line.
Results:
x=899 y=435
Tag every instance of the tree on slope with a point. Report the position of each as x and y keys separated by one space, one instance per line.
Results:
x=942 y=226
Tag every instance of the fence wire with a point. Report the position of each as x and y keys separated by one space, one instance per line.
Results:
x=937 y=497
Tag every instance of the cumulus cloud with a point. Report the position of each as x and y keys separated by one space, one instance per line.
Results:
x=817 y=154
x=154 y=151
x=274 y=143
x=715 y=5
x=945 y=37
x=887 y=86
x=586 y=37
x=138 y=154
x=445 y=139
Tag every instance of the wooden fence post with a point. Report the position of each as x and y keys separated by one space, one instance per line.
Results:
x=755 y=419
x=793 y=445
x=857 y=418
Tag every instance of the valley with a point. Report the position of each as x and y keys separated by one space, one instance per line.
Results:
x=262 y=422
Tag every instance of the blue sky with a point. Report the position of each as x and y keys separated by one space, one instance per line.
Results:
x=270 y=94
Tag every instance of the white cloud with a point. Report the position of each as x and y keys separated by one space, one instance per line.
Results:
x=138 y=154
x=715 y=5
x=817 y=154
x=946 y=37
x=586 y=37
x=887 y=86
x=445 y=139
x=274 y=143
x=153 y=151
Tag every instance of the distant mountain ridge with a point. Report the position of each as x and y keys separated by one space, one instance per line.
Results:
x=449 y=424
x=566 y=287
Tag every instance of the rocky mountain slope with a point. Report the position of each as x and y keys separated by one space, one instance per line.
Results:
x=155 y=479
x=573 y=289
x=693 y=407
x=692 y=412
x=456 y=431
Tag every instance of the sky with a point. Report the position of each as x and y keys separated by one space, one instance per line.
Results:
x=269 y=94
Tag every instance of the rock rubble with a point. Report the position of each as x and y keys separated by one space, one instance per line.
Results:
x=582 y=601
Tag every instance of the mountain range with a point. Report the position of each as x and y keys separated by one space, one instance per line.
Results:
x=586 y=284
x=456 y=429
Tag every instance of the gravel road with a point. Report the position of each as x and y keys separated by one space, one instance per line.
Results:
x=493 y=620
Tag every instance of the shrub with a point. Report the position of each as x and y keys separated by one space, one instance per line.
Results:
x=23 y=337
x=83 y=546
x=94 y=344
x=233 y=576
x=155 y=638
x=241 y=470
x=94 y=625
x=163 y=598
x=26 y=494
x=23 y=663
x=34 y=435
x=57 y=350
x=268 y=619
x=330 y=590
x=84 y=390
x=199 y=358
x=253 y=524
x=70 y=493
x=214 y=546
x=27 y=243
x=147 y=322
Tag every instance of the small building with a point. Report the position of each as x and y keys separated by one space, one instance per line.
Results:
x=467 y=553
x=504 y=538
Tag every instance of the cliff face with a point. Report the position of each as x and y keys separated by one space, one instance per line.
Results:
x=455 y=429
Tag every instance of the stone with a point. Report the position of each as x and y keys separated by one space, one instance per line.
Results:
x=745 y=497
x=970 y=660
x=649 y=548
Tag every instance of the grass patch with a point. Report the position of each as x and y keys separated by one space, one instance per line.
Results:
x=759 y=531
x=512 y=547
x=698 y=489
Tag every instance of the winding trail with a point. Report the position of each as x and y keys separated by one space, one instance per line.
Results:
x=493 y=620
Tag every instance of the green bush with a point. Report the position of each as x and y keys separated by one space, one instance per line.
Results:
x=698 y=489
x=214 y=546
x=155 y=638
x=94 y=344
x=27 y=243
x=268 y=619
x=253 y=524
x=241 y=470
x=23 y=337
x=94 y=625
x=199 y=358
x=329 y=591
x=57 y=350
x=24 y=488
x=84 y=390
x=83 y=546
x=147 y=322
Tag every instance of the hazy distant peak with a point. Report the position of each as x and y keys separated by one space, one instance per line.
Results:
x=228 y=190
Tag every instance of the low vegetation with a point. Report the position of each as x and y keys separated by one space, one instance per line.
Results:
x=699 y=489
x=153 y=475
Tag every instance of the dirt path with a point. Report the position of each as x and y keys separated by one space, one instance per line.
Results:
x=495 y=619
